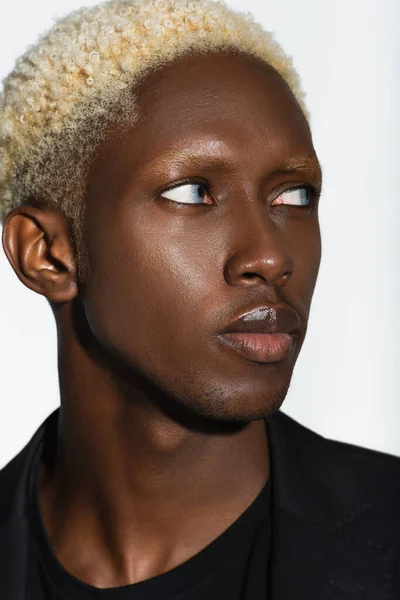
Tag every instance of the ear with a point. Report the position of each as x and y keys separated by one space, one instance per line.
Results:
x=37 y=244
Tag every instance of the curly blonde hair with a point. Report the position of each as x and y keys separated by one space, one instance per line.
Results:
x=64 y=93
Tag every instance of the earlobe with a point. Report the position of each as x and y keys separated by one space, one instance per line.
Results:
x=37 y=245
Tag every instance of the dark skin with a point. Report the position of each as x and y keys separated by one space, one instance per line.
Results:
x=161 y=442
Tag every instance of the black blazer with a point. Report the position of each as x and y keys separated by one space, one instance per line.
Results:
x=336 y=517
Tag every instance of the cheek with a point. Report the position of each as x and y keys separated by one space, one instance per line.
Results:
x=150 y=290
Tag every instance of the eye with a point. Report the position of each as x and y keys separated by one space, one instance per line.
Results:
x=302 y=196
x=188 y=193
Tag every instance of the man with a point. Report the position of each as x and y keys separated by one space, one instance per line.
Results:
x=173 y=228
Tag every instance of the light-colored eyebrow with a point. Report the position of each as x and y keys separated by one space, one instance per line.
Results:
x=307 y=164
x=291 y=165
x=302 y=164
x=198 y=161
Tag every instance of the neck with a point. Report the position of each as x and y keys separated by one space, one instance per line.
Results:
x=146 y=491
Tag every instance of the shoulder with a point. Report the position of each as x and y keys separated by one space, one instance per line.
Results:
x=354 y=453
x=378 y=473
x=371 y=465
x=15 y=476
x=10 y=474
x=365 y=455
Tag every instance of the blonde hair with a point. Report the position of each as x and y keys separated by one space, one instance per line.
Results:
x=64 y=92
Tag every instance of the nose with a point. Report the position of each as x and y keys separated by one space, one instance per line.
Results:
x=261 y=253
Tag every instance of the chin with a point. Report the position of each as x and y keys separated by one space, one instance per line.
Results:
x=249 y=409
x=218 y=403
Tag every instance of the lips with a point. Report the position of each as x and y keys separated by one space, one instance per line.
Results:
x=264 y=334
x=265 y=319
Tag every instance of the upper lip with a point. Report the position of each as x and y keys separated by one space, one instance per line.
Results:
x=265 y=319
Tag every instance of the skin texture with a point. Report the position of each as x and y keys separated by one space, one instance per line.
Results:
x=161 y=445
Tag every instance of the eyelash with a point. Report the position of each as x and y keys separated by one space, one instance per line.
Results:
x=189 y=181
x=313 y=193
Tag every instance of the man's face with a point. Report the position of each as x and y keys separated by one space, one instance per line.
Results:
x=170 y=270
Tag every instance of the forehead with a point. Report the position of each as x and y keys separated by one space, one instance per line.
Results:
x=222 y=108
x=221 y=92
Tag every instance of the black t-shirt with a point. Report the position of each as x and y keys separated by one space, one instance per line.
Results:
x=234 y=566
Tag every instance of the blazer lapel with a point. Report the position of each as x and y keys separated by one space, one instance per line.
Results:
x=314 y=553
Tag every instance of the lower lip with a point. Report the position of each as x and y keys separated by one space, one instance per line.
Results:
x=261 y=347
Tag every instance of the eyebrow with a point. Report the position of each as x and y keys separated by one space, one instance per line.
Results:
x=307 y=164
x=198 y=161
